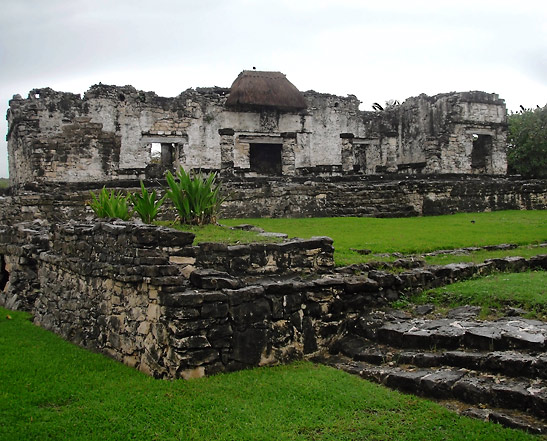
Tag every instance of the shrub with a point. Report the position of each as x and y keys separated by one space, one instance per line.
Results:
x=196 y=198
x=110 y=204
x=527 y=136
x=146 y=204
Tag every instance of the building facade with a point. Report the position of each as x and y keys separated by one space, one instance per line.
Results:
x=261 y=126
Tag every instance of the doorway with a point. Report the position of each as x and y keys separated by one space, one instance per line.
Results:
x=265 y=159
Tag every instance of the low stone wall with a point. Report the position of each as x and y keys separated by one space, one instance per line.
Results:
x=351 y=195
x=380 y=196
x=297 y=255
x=129 y=290
x=139 y=294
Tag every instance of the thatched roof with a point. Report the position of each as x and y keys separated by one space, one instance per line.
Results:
x=258 y=89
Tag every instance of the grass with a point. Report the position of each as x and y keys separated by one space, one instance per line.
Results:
x=525 y=251
x=492 y=293
x=413 y=235
x=4 y=182
x=216 y=233
x=53 y=390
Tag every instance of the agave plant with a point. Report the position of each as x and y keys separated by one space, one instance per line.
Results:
x=146 y=204
x=110 y=204
x=196 y=198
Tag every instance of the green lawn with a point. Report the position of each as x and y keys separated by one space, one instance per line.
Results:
x=215 y=233
x=493 y=293
x=412 y=235
x=53 y=390
x=525 y=251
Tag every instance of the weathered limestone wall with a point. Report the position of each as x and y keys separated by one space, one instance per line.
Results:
x=108 y=135
x=435 y=135
x=381 y=196
x=366 y=196
x=138 y=294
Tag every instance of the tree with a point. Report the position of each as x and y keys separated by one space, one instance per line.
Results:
x=527 y=154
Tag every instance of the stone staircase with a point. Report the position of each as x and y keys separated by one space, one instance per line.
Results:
x=494 y=370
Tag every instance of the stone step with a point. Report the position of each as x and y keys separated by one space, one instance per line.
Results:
x=509 y=363
x=506 y=333
x=518 y=402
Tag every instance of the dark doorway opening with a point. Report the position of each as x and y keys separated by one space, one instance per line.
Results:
x=265 y=158
x=482 y=147
x=4 y=275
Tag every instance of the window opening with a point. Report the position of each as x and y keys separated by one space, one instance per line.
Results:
x=162 y=153
x=482 y=147
x=155 y=152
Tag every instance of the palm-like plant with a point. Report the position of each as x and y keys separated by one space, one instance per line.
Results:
x=196 y=198
x=147 y=204
x=110 y=204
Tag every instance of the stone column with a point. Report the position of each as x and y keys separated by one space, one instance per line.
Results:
x=347 y=151
x=432 y=151
x=391 y=152
x=499 y=152
x=287 y=154
x=226 y=150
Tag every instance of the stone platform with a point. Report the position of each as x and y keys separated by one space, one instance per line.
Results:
x=494 y=370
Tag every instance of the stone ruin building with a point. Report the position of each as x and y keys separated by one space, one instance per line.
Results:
x=261 y=126
x=153 y=299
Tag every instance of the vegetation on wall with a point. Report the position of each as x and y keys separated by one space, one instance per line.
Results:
x=493 y=293
x=527 y=153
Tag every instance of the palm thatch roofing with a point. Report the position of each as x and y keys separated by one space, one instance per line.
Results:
x=259 y=89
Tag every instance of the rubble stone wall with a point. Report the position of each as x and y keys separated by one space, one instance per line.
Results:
x=381 y=196
x=144 y=295
x=138 y=294
x=109 y=133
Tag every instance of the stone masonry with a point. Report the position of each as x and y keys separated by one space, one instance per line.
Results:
x=111 y=133
x=147 y=297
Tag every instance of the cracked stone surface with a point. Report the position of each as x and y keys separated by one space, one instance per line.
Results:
x=501 y=364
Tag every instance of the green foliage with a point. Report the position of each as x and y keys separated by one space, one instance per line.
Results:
x=53 y=390
x=4 y=183
x=196 y=198
x=110 y=204
x=146 y=204
x=527 y=136
x=219 y=233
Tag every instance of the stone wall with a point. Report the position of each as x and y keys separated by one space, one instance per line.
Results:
x=380 y=196
x=138 y=294
x=141 y=295
x=109 y=134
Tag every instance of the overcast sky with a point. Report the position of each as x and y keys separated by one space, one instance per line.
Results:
x=377 y=50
